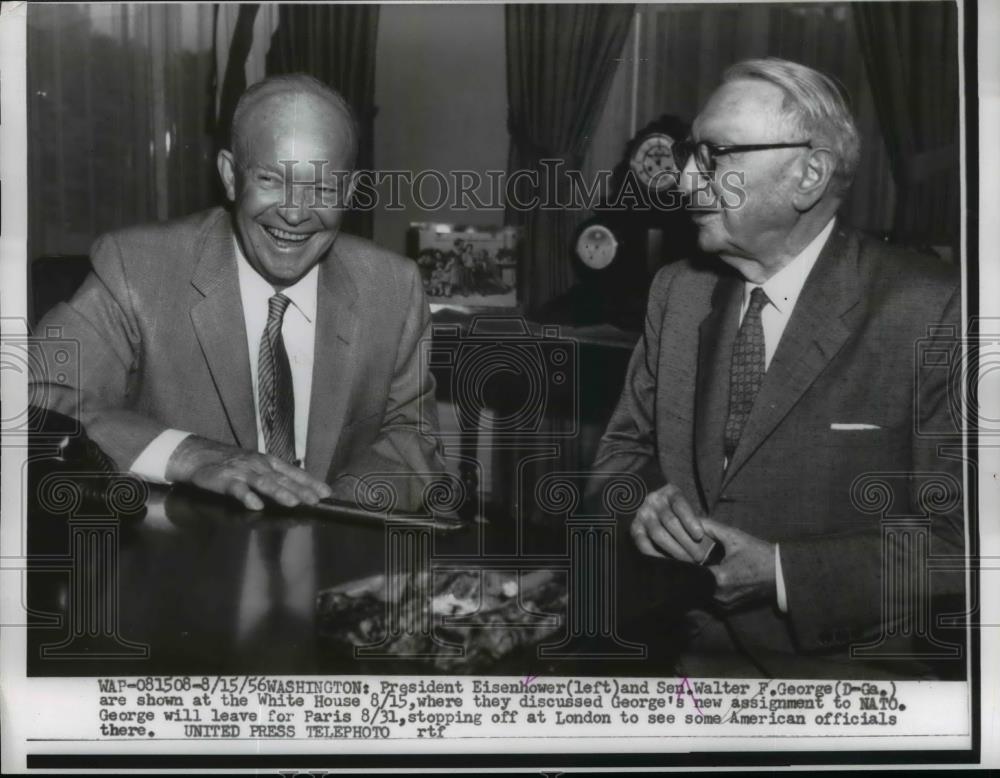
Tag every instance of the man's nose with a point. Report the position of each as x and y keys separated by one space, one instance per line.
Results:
x=294 y=210
x=691 y=178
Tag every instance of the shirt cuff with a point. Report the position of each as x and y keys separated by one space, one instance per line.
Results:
x=151 y=464
x=779 y=580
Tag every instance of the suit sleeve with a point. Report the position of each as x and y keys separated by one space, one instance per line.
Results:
x=629 y=442
x=854 y=565
x=99 y=332
x=407 y=449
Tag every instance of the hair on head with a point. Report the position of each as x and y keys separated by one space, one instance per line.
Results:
x=815 y=104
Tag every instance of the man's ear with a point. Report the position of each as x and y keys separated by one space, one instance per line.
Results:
x=226 y=165
x=816 y=173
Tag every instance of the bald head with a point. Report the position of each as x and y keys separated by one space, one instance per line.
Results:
x=291 y=105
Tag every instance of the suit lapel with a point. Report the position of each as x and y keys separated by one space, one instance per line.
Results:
x=334 y=362
x=221 y=331
x=715 y=347
x=814 y=334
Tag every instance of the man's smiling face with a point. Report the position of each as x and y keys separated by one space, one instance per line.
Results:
x=288 y=181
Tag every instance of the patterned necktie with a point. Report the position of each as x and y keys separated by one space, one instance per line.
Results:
x=274 y=385
x=746 y=371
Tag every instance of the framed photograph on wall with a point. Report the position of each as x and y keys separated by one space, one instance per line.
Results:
x=467 y=267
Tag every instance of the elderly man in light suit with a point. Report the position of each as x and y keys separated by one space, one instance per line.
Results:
x=258 y=352
x=772 y=375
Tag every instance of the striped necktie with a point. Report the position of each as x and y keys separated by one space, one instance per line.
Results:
x=746 y=371
x=275 y=396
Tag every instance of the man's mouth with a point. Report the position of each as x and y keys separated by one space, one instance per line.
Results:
x=285 y=239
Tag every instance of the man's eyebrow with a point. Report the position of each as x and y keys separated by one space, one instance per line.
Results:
x=715 y=140
x=271 y=168
x=712 y=134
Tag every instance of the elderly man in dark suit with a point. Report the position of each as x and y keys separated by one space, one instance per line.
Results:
x=771 y=377
x=259 y=352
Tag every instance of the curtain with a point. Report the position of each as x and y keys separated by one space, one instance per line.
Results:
x=560 y=62
x=117 y=104
x=233 y=42
x=336 y=44
x=911 y=52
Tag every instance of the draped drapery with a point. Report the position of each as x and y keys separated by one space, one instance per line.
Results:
x=336 y=44
x=560 y=63
x=911 y=54
x=233 y=80
x=118 y=102
x=561 y=60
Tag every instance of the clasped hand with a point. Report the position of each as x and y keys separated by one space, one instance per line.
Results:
x=245 y=475
x=667 y=526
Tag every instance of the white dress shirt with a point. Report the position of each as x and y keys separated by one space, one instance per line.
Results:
x=783 y=290
x=298 y=330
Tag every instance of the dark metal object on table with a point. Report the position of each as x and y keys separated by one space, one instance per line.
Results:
x=347 y=511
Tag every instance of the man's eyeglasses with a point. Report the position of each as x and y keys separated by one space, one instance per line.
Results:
x=705 y=153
